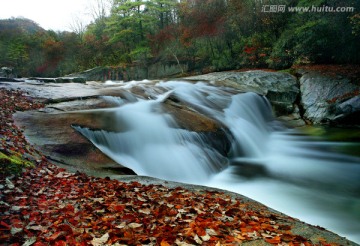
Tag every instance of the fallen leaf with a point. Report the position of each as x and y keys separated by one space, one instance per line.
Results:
x=15 y=230
x=4 y=224
x=274 y=240
x=197 y=239
x=164 y=243
x=9 y=184
x=122 y=225
x=177 y=242
x=63 y=175
x=29 y=241
x=119 y=208
x=145 y=211
x=55 y=236
x=134 y=225
x=205 y=238
x=100 y=241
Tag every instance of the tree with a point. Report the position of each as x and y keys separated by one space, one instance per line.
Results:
x=78 y=26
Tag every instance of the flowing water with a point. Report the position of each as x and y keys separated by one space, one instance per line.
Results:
x=290 y=172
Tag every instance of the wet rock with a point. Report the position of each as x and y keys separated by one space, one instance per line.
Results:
x=59 y=79
x=293 y=120
x=52 y=134
x=188 y=118
x=52 y=92
x=212 y=132
x=280 y=88
x=328 y=99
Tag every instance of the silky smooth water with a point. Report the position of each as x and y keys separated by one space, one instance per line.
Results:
x=281 y=168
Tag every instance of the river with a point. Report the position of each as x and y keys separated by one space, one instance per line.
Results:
x=294 y=173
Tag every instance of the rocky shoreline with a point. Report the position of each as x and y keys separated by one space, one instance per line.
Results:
x=311 y=97
x=72 y=97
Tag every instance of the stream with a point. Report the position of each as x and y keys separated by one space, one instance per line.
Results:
x=297 y=174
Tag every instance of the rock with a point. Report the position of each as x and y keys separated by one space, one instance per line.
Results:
x=280 y=88
x=52 y=92
x=51 y=132
x=50 y=128
x=348 y=112
x=60 y=80
x=188 y=118
x=328 y=99
x=100 y=74
x=293 y=120
x=5 y=79
x=71 y=80
x=216 y=135
x=7 y=73
x=155 y=70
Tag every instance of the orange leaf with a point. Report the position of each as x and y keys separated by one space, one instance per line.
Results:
x=39 y=244
x=164 y=243
x=200 y=231
x=119 y=208
x=274 y=240
x=60 y=243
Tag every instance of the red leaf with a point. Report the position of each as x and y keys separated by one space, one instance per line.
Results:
x=55 y=236
x=5 y=225
x=128 y=218
x=69 y=208
x=66 y=228
x=60 y=243
x=275 y=240
x=39 y=244
x=119 y=208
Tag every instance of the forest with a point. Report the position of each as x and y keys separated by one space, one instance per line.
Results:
x=206 y=35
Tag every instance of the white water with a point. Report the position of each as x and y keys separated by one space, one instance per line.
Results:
x=287 y=172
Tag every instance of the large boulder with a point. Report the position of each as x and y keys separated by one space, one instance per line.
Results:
x=51 y=131
x=329 y=99
x=7 y=72
x=280 y=88
x=215 y=134
x=57 y=92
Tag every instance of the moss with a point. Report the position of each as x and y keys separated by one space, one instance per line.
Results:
x=13 y=164
x=291 y=71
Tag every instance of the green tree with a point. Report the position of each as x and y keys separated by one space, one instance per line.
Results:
x=18 y=53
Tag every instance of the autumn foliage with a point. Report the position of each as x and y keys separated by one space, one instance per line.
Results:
x=49 y=206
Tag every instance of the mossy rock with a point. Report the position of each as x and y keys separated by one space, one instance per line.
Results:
x=13 y=164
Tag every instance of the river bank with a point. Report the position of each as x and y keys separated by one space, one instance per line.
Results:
x=48 y=205
x=79 y=97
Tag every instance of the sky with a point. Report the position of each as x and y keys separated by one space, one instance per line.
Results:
x=56 y=15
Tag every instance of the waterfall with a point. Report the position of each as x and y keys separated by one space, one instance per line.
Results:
x=286 y=171
x=149 y=144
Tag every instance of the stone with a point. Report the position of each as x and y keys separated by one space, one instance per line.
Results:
x=59 y=80
x=51 y=132
x=214 y=134
x=7 y=72
x=50 y=128
x=328 y=99
x=281 y=89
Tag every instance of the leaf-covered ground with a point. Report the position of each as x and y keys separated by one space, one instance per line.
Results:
x=47 y=205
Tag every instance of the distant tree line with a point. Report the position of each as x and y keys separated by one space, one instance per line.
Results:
x=207 y=35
